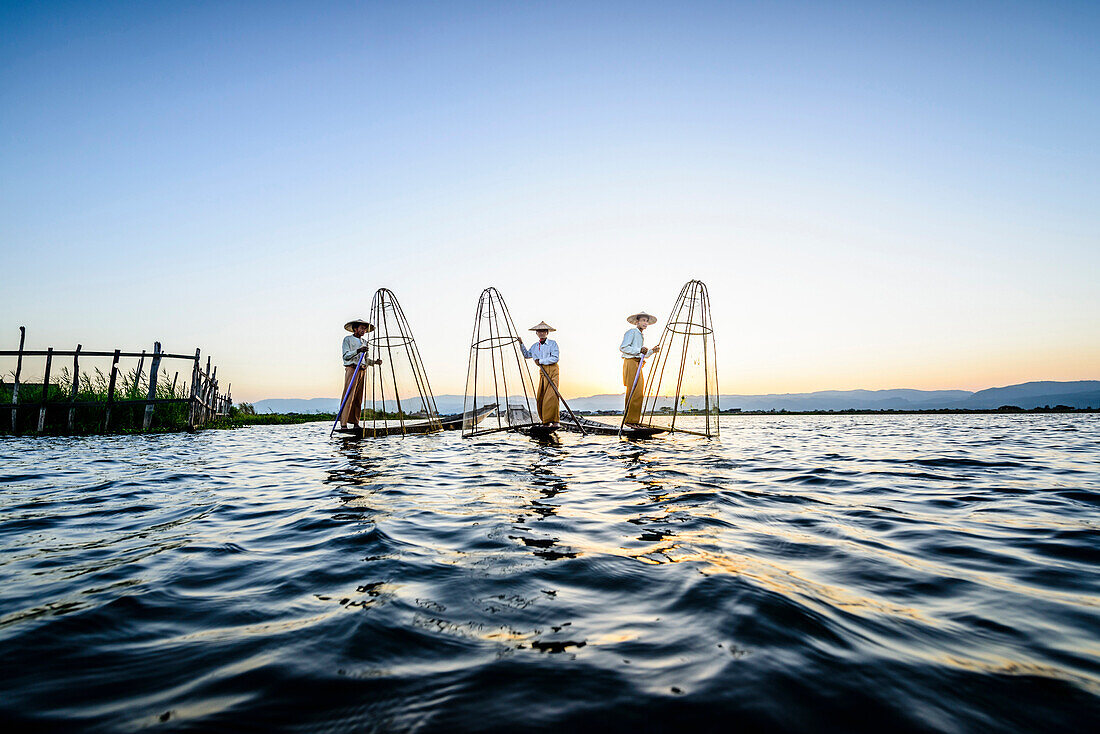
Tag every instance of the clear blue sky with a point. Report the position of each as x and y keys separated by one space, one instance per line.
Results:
x=877 y=194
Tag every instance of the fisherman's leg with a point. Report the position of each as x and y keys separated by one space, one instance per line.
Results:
x=631 y=378
x=552 y=412
x=348 y=372
x=628 y=380
x=630 y=370
x=356 y=399
x=634 y=414
x=540 y=397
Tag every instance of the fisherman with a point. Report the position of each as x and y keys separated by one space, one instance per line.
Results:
x=545 y=353
x=353 y=347
x=633 y=352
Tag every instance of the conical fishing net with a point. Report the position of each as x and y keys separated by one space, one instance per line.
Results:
x=681 y=391
x=397 y=392
x=499 y=392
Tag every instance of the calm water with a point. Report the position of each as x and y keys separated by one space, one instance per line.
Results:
x=916 y=573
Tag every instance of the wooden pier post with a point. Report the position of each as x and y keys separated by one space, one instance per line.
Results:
x=15 y=387
x=76 y=386
x=111 y=391
x=137 y=376
x=192 y=408
x=207 y=382
x=45 y=391
x=174 y=378
x=214 y=394
x=154 y=367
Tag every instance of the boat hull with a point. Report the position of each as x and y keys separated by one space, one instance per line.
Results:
x=369 y=431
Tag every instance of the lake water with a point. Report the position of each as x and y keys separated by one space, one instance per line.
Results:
x=860 y=573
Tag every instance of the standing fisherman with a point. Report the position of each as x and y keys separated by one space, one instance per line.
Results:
x=352 y=348
x=545 y=353
x=632 y=352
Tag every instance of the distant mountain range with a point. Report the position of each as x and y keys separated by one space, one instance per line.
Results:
x=1079 y=394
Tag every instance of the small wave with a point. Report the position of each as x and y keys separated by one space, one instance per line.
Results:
x=919 y=573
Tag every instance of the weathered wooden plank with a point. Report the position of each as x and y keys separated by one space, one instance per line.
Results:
x=211 y=390
x=111 y=391
x=137 y=376
x=76 y=386
x=86 y=353
x=214 y=395
x=99 y=403
x=45 y=392
x=191 y=414
x=15 y=387
x=154 y=367
x=206 y=393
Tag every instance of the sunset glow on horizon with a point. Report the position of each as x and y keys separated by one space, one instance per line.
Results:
x=876 y=196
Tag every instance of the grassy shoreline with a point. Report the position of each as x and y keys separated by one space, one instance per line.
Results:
x=241 y=420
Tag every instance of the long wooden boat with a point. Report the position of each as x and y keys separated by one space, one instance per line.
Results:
x=389 y=428
x=453 y=422
x=527 y=426
x=596 y=428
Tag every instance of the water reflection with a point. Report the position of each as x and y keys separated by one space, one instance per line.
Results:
x=542 y=505
x=430 y=582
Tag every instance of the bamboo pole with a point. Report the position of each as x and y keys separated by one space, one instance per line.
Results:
x=154 y=368
x=15 y=387
x=683 y=362
x=76 y=385
x=45 y=391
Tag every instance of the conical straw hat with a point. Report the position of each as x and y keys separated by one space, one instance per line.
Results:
x=635 y=318
x=542 y=325
x=350 y=326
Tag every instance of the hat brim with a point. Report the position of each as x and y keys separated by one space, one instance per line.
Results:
x=542 y=327
x=350 y=326
x=650 y=319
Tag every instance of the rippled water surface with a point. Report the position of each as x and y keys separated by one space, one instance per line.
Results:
x=909 y=573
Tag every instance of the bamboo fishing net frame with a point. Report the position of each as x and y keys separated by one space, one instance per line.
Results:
x=690 y=318
x=392 y=341
x=500 y=341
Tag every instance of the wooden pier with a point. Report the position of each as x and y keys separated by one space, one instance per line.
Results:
x=139 y=401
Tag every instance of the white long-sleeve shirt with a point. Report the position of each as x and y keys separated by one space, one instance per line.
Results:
x=631 y=347
x=543 y=353
x=351 y=349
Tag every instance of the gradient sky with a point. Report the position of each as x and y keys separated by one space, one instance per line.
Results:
x=877 y=195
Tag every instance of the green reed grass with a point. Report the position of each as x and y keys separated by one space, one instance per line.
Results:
x=94 y=387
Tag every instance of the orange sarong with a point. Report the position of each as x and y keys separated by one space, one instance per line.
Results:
x=633 y=401
x=354 y=404
x=546 y=398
